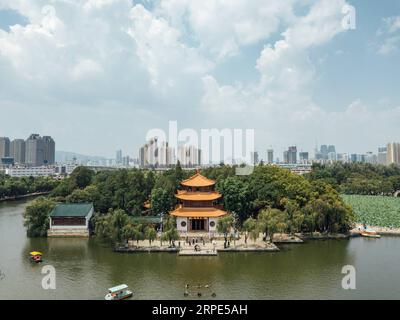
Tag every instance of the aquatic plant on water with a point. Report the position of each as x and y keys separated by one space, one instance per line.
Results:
x=375 y=210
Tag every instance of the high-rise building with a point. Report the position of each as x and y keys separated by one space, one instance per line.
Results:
x=371 y=158
x=49 y=150
x=39 y=151
x=382 y=155
x=165 y=155
x=118 y=157
x=147 y=153
x=292 y=155
x=154 y=155
x=393 y=153
x=357 y=157
x=270 y=156
x=4 y=147
x=303 y=156
x=189 y=156
x=285 y=157
x=332 y=156
x=126 y=161
x=343 y=157
x=324 y=151
x=34 y=153
x=254 y=158
x=17 y=151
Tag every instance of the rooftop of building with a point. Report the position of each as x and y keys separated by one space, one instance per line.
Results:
x=198 y=196
x=71 y=210
x=198 y=180
x=191 y=212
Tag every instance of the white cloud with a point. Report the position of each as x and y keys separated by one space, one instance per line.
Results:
x=130 y=55
x=222 y=26
x=285 y=68
x=390 y=45
x=393 y=23
x=128 y=67
x=390 y=32
x=159 y=47
x=281 y=107
x=84 y=68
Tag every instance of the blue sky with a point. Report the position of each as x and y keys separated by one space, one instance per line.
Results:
x=98 y=74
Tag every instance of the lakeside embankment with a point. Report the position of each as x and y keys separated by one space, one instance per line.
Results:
x=216 y=246
x=24 y=196
x=323 y=236
x=385 y=231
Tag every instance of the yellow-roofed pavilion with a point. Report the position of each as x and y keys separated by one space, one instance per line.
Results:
x=199 y=205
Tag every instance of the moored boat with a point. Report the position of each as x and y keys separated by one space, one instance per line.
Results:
x=370 y=233
x=35 y=256
x=118 y=293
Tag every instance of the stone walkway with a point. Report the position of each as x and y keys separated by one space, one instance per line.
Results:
x=206 y=248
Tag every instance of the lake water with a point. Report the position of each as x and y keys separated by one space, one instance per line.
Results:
x=85 y=268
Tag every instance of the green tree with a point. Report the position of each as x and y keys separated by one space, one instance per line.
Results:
x=235 y=196
x=36 y=217
x=63 y=189
x=161 y=201
x=89 y=194
x=111 y=226
x=271 y=221
x=170 y=235
x=225 y=225
x=133 y=232
x=150 y=234
x=81 y=177
x=250 y=226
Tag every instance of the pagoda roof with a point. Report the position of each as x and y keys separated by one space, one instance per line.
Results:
x=198 y=196
x=191 y=212
x=198 y=181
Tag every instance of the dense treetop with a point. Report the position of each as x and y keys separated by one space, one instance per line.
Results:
x=271 y=198
x=358 y=178
x=13 y=187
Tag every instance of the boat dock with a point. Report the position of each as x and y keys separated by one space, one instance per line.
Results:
x=188 y=252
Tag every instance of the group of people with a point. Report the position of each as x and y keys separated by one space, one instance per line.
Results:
x=195 y=241
x=199 y=294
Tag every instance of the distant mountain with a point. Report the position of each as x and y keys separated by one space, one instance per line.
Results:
x=66 y=156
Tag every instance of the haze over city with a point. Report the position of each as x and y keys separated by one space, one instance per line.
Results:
x=97 y=75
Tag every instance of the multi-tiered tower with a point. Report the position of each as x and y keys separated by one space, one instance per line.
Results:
x=199 y=206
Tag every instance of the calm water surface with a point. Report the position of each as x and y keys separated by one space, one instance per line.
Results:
x=85 y=268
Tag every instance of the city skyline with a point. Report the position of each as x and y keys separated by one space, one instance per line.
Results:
x=278 y=151
x=272 y=67
x=189 y=155
x=34 y=151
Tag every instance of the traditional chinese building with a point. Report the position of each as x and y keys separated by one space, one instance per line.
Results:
x=70 y=219
x=199 y=205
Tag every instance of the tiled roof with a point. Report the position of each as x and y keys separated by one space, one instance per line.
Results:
x=192 y=212
x=71 y=210
x=198 y=181
x=198 y=196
